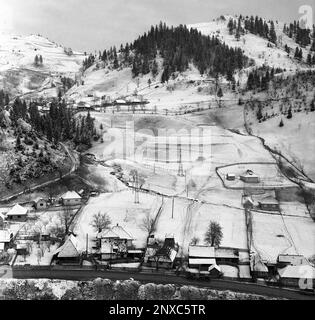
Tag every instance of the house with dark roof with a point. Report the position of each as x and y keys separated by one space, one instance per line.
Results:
x=161 y=256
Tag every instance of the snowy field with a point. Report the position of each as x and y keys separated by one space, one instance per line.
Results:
x=293 y=139
x=191 y=220
x=274 y=235
x=121 y=209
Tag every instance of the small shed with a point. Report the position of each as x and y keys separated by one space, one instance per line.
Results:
x=71 y=198
x=40 y=204
x=214 y=271
x=17 y=213
x=230 y=177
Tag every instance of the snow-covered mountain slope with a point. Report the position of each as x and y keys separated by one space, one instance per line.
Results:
x=254 y=46
x=18 y=72
x=189 y=87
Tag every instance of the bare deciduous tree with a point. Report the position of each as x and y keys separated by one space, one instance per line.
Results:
x=101 y=221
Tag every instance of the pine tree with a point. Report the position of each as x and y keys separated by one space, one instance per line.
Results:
x=272 y=33
x=289 y=113
x=281 y=124
x=36 y=60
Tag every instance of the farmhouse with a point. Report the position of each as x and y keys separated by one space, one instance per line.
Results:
x=17 y=213
x=114 y=243
x=201 y=257
x=269 y=203
x=250 y=177
x=71 y=198
x=166 y=255
x=68 y=252
x=162 y=257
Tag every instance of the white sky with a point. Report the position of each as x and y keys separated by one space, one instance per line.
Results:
x=99 y=24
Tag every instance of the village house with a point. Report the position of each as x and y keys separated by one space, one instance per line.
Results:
x=71 y=198
x=202 y=261
x=250 y=177
x=161 y=256
x=201 y=257
x=68 y=253
x=114 y=243
x=17 y=214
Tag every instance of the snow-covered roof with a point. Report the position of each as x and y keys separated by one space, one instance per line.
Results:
x=17 y=210
x=293 y=259
x=226 y=253
x=268 y=200
x=4 y=236
x=201 y=252
x=108 y=234
x=121 y=101
x=70 y=195
x=297 y=272
x=116 y=232
x=201 y=261
x=68 y=249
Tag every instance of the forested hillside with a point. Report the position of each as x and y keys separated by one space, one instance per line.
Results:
x=177 y=47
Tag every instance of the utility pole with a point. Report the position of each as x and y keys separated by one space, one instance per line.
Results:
x=180 y=166
x=87 y=244
x=173 y=200
x=136 y=188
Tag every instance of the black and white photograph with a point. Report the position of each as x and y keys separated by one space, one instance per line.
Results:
x=157 y=150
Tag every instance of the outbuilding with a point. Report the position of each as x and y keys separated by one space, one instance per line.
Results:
x=250 y=177
x=269 y=203
x=40 y=204
x=71 y=198
x=230 y=177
